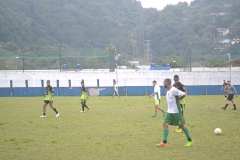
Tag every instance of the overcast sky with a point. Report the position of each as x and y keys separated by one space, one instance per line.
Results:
x=160 y=4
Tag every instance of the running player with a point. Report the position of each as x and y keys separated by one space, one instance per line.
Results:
x=230 y=91
x=49 y=100
x=84 y=97
x=157 y=99
x=224 y=88
x=115 y=87
x=174 y=113
x=182 y=88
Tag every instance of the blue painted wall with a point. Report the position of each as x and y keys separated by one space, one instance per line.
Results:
x=108 y=91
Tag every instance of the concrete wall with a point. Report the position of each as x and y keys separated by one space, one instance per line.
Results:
x=125 y=78
x=130 y=82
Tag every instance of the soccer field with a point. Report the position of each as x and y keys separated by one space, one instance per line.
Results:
x=115 y=129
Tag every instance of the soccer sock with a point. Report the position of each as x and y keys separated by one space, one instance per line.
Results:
x=165 y=135
x=225 y=96
x=82 y=107
x=155 y=114
x=162 y=111
x=234 y=105
x=86 y=106
x=55 y=110
x=226 y=105
x=44 y=114
x=187 y=134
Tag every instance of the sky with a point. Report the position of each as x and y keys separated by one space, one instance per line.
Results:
x=160 y=4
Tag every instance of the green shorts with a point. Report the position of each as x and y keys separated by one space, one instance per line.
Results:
x=157 y=102
x=116 y=91
x=174 y=119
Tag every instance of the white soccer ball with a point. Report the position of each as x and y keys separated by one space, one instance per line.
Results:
x=217 y=131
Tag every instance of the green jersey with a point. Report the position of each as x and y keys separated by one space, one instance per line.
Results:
x=84 y=93
x=49 y=92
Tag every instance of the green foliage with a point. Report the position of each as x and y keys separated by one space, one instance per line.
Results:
x=216 y=62
x=88 y=26
x=174 y=61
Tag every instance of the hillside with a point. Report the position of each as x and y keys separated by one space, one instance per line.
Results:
x=204 y=29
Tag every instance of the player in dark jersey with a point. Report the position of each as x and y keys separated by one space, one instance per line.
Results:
x=49 y=100
x=224 y=88
x=182 y=88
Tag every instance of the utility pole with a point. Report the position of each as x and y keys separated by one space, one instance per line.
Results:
x=23 y=59
x=60 y=55
x=147 y=50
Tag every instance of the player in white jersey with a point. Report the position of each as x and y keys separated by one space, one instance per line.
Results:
x=157 y=98
x=115 y=87
x=174 y=113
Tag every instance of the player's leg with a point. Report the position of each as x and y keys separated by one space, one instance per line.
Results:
x=157 y=107
x=113 y=93
x=165 y=136
x=182 y=106
x=54 y=109
x=230 y=98
x=85 y=104
x=167 y=120
x=225 y=94
x=189 y=139
x=45 y=103
x=234 y=105
x=117 y=93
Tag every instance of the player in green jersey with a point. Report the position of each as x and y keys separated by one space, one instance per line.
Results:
x=49 y=100
x=115 y=88
x=157 y=99
x=174 y=113
x=224 y=88
x=84 y=97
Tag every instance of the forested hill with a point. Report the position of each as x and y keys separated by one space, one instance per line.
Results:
x=79 y=23
x=204 y=27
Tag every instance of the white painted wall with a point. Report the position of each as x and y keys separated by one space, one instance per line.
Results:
x=125 y=78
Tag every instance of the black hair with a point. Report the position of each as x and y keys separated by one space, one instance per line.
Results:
x=176 y=76
x=48 y=80
x=168 y=81
x=228 y=81
x=154 y=81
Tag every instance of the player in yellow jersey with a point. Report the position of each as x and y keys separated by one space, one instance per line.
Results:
x=84 y=97
x=49 y=100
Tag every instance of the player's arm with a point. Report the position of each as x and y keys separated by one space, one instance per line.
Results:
x=180 y=94
x=155 y=92
x=152 y=94
x=235 y=91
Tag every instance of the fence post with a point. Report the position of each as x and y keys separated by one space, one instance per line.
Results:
x=11 y=86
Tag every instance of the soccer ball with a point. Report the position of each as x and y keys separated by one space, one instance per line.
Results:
x=217 y=131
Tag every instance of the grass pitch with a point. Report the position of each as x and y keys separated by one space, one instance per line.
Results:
x=115 y=129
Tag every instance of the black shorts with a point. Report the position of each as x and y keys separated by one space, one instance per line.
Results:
x=47 y=101
x=230 y=97
x=83 y=100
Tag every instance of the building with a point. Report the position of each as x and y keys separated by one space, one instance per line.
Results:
x=222 y=31
x=235 y=41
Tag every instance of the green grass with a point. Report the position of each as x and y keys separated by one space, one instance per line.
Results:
x=115 y=129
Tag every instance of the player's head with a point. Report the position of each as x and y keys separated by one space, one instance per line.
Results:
x=176 y=79
x=154 y=83
x=48 y=82
x=229 y=83
x=167 y=83
x=114 y=82
x=224 y=81
x=82 y=83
